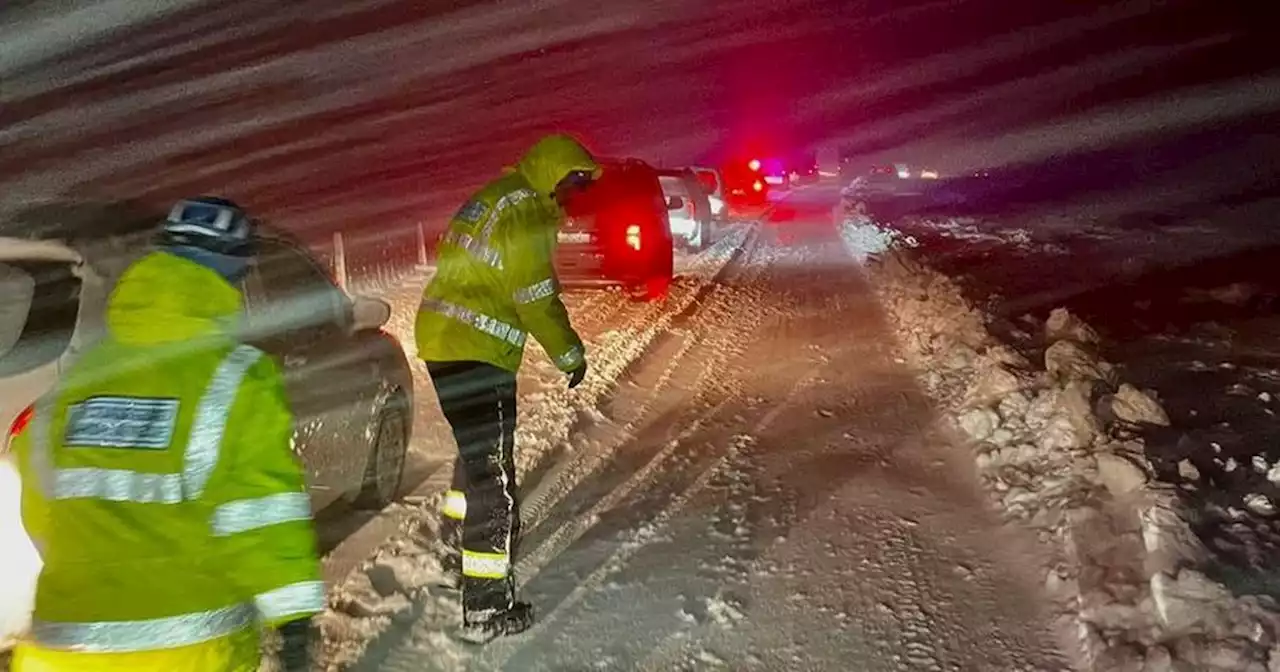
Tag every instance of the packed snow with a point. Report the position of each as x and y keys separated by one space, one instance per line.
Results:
x=1056 y=447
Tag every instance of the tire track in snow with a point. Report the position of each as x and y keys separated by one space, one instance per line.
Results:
x=659 y=481
x=552 y=486
x=546 y=421
x=734 y=444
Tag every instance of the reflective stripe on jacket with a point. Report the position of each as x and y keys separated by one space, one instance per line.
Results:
x=495 y=282
x=159 y=481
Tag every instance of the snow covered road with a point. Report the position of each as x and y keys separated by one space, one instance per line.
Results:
x=752 y=486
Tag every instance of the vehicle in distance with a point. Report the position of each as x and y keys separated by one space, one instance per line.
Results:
x=744 y=184
x=689 y=209
x=713 y=184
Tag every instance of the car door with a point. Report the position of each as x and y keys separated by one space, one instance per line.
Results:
x=298 y=315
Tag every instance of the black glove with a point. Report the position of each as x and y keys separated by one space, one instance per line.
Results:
x=295 y=646
x=576 y=375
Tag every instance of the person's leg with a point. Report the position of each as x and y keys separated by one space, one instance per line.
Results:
x=492 y=525
x=462 y=407
x=479 y=400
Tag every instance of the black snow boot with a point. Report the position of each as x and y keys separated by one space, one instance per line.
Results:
x=512 y=621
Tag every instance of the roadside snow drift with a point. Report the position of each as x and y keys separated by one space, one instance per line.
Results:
x=1055 y=446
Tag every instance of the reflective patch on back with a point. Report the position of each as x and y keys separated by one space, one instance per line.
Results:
x=471 y=212
x=138 y=423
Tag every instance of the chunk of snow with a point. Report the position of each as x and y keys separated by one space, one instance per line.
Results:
x=1259 y=504
x=1119 y=475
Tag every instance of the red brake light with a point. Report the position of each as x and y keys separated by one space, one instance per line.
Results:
x=21 y=422
x=633 y=237
x=754 y=164
x=758 y=186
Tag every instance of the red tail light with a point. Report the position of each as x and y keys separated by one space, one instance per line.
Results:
x=633 y=237
x=754 y=164
x=758 y=185
x=20 y=423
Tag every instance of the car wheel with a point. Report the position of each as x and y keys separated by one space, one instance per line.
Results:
x=386 y=461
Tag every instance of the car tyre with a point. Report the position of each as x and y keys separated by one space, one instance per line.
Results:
x=385 y=470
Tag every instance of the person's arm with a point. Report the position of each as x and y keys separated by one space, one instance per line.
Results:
x=261 y=514
x=529 y=271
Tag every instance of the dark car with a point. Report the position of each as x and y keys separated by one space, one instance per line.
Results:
x=348 y=381
x=617 y=232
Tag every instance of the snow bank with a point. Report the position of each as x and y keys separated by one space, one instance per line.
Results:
x=1054 y=446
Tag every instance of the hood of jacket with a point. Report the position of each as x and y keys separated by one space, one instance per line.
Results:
x=553 y=158
x=163 y=298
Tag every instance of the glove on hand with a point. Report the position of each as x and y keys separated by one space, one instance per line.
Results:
x=296 y=646
x=576 y=375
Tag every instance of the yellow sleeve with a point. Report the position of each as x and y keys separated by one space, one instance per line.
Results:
x=261 y=512
x=528 y=243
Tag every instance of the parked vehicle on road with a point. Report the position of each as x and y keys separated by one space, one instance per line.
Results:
x=618 y=232
x=349 y=382
x=691 y=222
x=713 y=183
x=745 y=186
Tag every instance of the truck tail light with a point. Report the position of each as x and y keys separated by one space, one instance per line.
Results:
x=633 y=237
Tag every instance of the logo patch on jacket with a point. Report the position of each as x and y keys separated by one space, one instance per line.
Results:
x=472 y=212
x=122 y=422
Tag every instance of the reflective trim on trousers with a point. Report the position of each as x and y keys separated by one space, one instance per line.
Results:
x=477 y=249
x=484 y=323
x=455 y=505
x=295 y=599
x=537 y=291
x=146 y=635
x=571 y=358
x=211 y=418
x=485 y=565
x=250 y=514
x=117 y=485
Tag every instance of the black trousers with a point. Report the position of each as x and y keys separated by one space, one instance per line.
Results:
x=481 y=510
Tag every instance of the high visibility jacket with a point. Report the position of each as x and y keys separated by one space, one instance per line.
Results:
x=495 y=281
x=160 y=487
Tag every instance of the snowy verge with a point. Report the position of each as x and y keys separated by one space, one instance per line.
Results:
x=1054 y=446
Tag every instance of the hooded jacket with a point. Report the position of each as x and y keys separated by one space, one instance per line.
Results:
x=160 y=486
x=495 y=282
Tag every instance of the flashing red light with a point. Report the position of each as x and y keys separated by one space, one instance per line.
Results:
x=754 y=164
x=21 y=422
x=758 y=185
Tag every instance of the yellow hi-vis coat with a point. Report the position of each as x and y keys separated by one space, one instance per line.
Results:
x=495 y=282
x=160 y=487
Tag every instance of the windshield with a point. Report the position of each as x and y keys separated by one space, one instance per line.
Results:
x=39 y=302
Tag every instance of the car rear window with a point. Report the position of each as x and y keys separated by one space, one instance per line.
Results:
x=673 y=185
x=39 y=302
x=708 y=181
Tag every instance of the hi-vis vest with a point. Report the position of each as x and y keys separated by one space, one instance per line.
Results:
x=166 y=502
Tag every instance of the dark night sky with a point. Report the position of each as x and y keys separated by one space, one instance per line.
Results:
x=326 y=113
